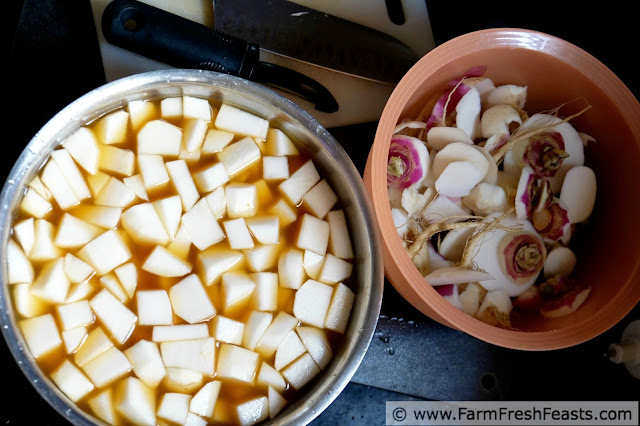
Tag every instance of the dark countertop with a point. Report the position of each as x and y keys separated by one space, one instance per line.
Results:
x=54 y=58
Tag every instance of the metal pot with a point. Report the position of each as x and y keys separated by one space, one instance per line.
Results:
x=329 y=157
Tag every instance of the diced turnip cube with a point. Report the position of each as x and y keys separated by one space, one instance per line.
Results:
x=195 y=420
x=253 y=411
x=74 y=315
x=204 y=402
x=279 y=144
x=214 y=261
x=74 y=232
x=239 y=155
x=238 y=234
x=136 y=184
x=128 y=276
x=71 y=381
x=143 y=224
x=235 y=120
x=316 y=342
x=313 y=235
x=339 y=241
x=83 y=147
x=275 y=334
x=146 y=361
x=236 y=363
x=210 y=178
x=334 y=270
x=266 y=292
x=111 y=283
x=276 y=402
x=169 y=211
x=301 y=371
x=340 y=309
x=257 y=324
x=285 y=212
x=242 y=200
x=82 y=290
x=312 y=303
x=300 y=182
x=41 y=334
x=19 y=268
x=197 y=354
x=164 y=263
x=182 y=380
x=183 y=182
x=71 y=173
x=73 y=338
x=216 y=140
x=159 y=137
x=60 y=188
x=236 y=289
x=189 y=156
x=312 y=263
x=181 y=244
x=289 y=350
x=320 y=199
x=106 y=252
x=262 y=257
x=152 y=169
x=171 y=108
x=34 y=204
x=43 y=245
x=97 y=181
x=194 y=133
x=193 y=107
x=116 y=160
x=227 y=330
x=154 y=307
x=266 y=229
x=275 y=168
x=190 y=300
x=37 y=185
x=96 y=343
x=102 y=216
x=172 y=333
x=115 y=316
x=291 y=268
x=115 y=194
x=270 y=377
x=202 y=226
x=174 y=407
x=102 y=406
x=140 y=112
x=136 y=402
x=107 y=367
x=217 y=202
x=75 y=269
x=27 y=305
x=52 y=284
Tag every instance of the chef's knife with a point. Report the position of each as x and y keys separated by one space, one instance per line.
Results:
x=179 y=42
x=309 y=35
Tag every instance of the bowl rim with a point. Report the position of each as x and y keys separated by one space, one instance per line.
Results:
x=434 y=60
x=318 y=396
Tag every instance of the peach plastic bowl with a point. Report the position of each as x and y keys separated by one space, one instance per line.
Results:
x=608 y=250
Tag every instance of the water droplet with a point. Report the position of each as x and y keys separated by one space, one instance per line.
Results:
x=5 y=327
x=391 y=351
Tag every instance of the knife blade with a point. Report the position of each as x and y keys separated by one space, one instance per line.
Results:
x=309 y=35
x=179 y=42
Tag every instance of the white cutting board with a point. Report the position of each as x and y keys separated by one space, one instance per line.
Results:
x=360 y=100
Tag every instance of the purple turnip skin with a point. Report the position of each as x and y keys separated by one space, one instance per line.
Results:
x=545 y=153
x=408 y=161
x=551 y=222
x=449 y=100
x=522 y=256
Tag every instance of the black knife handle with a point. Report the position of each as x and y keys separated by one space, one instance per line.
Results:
x=179 y=42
